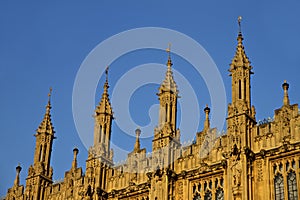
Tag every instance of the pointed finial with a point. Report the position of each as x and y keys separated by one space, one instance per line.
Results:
x=207 y=109
x=106 y=86
x=239 y=22
x=49 y=94
x=106 y=73
x=168 y=50
x=48 y=107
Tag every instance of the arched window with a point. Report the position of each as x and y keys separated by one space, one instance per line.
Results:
x=100 y=133
x=208 y=195
x=220 y=194
x=197 y=196
x=166 y=114
x=41 y=153
x=45 y=151
x=279 y=187
x=292 y=186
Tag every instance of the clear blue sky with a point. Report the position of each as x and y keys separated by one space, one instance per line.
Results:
x=44 y=44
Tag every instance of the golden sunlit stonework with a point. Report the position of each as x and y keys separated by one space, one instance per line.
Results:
x=252 y=160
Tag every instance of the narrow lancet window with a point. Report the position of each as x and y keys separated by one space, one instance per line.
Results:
x=41 y=153
x=292 y=186
x=279 y=187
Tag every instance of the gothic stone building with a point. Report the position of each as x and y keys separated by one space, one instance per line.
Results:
x=250 y=161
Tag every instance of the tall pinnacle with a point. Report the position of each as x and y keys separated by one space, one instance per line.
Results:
x=285 y=87
x=17 y=180
x=240 y=59
x=137 y=145
x=104 y=105
x=206 y=122
x=169 y=84
x=74 y=162
x=46 y=125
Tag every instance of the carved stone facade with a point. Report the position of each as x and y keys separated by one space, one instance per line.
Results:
x=251 y=160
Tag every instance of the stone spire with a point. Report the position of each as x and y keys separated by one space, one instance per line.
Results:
x=169 y=84
x=240 y=71
x=166 y=131
x=40 y=173
x=46 y=125
x=17 y=180
x=240 y=58
x=74 y=162
x=137 y=145
x=103 y=121
x=206 y=122
x=104 y=105
x=285 y=87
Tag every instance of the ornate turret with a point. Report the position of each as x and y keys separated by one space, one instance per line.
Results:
x=240 y=71
x=41 y=171
x=103 y=120
x=167 y=95
x=240 y=122
x=43 y=146
x=100 y=157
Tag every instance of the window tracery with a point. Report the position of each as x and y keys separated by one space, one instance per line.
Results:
x=285 y=179
x=208 y=189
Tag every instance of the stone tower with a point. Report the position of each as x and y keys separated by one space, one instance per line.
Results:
x=240 y=123
x=166 y=132
x=166 y=139
x=40 y=173
x=100 y=157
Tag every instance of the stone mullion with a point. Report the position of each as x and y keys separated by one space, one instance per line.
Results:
x=202 y=193
x=284 y=174
x=268 y=173
x=213 y=189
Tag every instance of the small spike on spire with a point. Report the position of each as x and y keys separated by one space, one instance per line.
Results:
x=240 y=36
x=168 y=50
x=285 y=87
x=50 y=93
x=106 y=86
x=239 y=22
x=48 y=107
x=106 y=73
